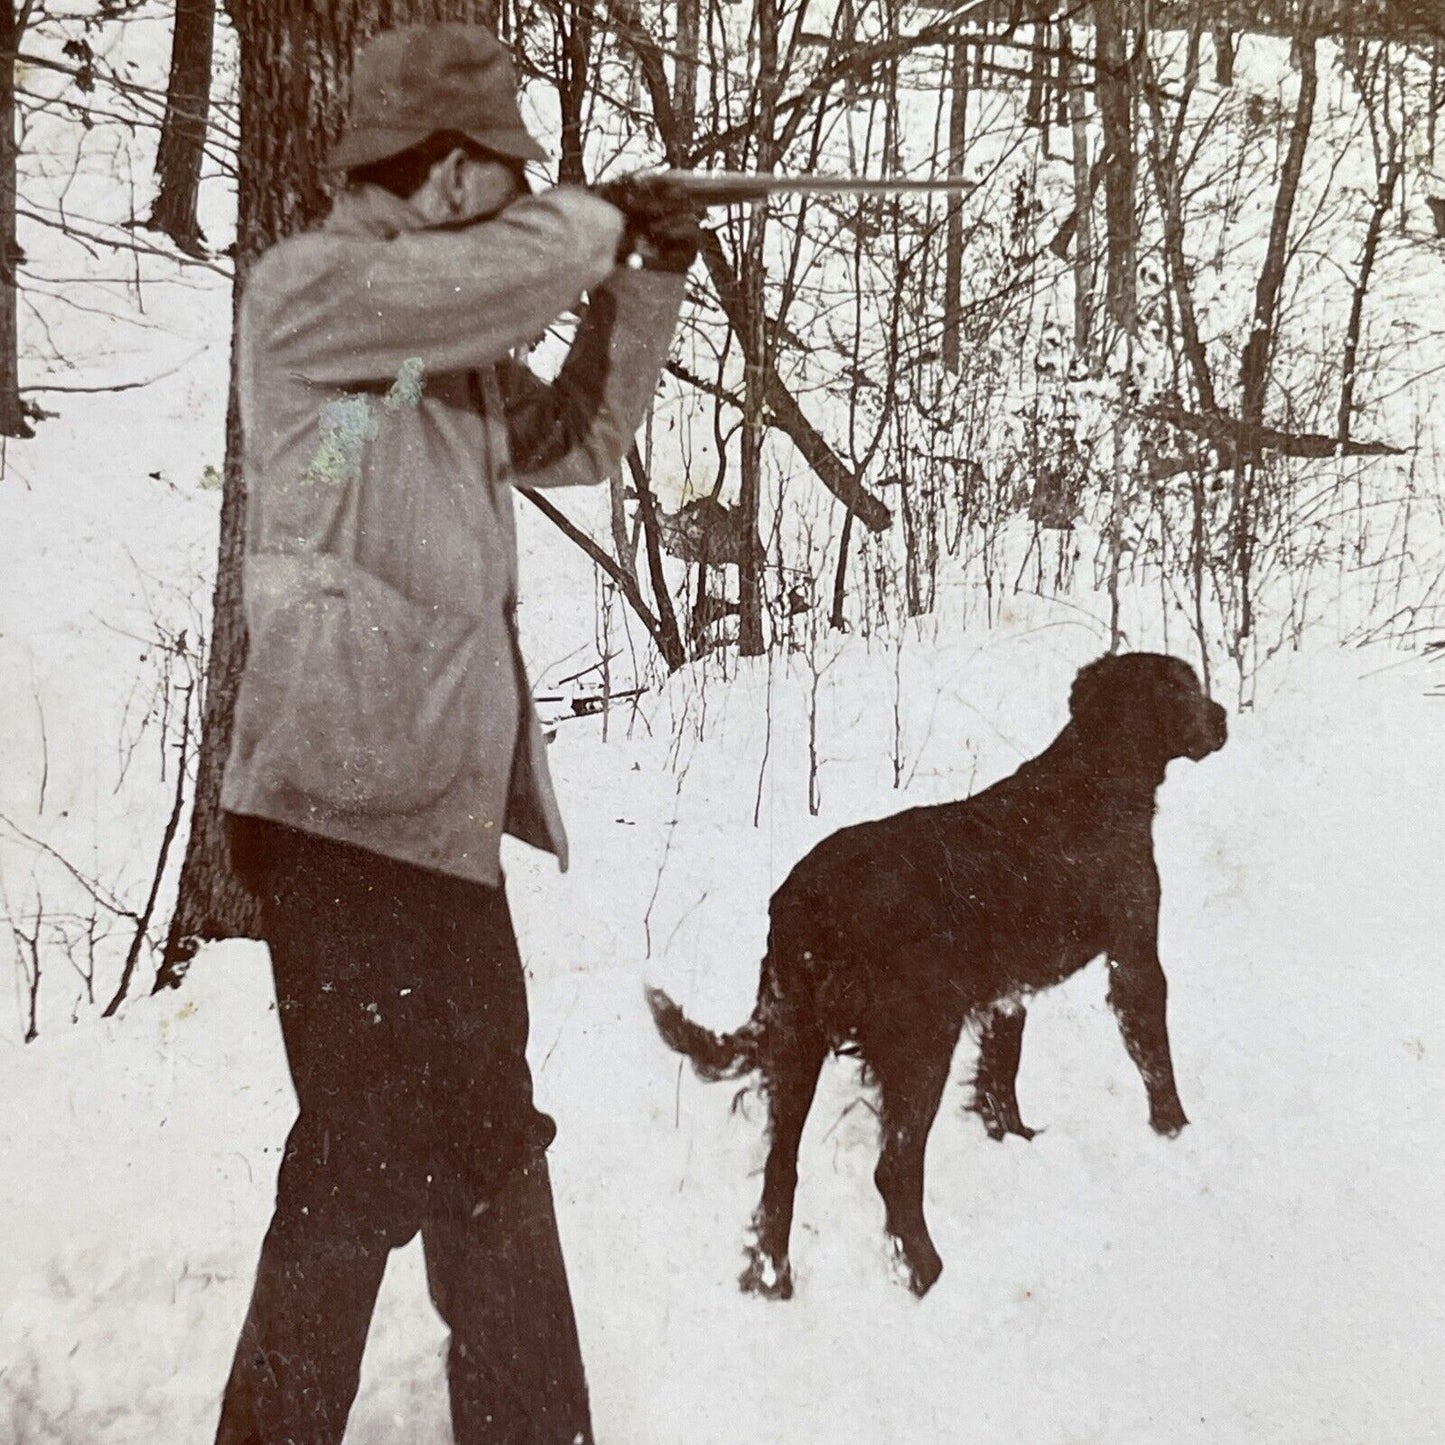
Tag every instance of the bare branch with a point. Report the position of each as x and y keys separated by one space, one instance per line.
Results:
x=143 y=918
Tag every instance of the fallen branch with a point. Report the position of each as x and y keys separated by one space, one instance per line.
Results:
x=1231 y=438
x=118 y=385
x=626 y=583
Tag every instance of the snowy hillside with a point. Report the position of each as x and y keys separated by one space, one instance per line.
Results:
x=1271 y=1277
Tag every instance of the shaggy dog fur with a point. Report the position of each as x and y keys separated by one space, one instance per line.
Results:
x=889 y=935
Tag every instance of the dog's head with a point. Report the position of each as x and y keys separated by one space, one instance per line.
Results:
x=1148 y=707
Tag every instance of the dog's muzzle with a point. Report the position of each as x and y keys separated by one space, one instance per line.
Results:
x=1211 y=732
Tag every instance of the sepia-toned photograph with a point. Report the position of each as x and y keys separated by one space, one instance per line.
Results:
x=722 y=722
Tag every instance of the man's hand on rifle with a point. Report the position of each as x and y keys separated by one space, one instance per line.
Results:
x=662 y=221
x=663 y=209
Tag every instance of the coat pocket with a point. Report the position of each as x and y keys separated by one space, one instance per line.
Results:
x=355 y=697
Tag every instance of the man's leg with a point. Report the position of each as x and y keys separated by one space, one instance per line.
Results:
x=498 y=1280
x=494 y=1260
x=349 y=1188
x=298 y=1360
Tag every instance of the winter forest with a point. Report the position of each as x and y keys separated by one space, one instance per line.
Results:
x=1168 y=375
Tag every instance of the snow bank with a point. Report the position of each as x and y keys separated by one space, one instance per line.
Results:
x=1271 y=1275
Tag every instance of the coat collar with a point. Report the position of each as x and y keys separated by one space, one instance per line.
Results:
x=367 y=210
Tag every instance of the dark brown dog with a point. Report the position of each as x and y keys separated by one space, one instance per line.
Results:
x=890 y=934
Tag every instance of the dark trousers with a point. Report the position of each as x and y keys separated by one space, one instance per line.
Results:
x=404 y=1013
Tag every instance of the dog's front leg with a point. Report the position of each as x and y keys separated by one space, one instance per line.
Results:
x=910 y=1084
x=1138 y=994
x=995 y=1098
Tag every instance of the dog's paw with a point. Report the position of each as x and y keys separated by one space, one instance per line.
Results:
x=1169 y=1125
x=998 y=1122
x=764 y=1277
x=1000 y=1116
x=993 y=1126
x=918 y=1271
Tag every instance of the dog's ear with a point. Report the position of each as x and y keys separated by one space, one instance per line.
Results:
x=1089 y=698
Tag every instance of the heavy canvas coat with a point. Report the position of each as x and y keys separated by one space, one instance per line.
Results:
x=384 y=701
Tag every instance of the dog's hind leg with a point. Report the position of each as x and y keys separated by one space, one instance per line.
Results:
x=911 y=1077
x=792 y=1078
x=994 y=1097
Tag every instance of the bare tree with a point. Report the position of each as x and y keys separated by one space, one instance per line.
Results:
x=758 y=340
x=14 y=421
x=1254 y=367
x=1226 y=43
x=183 y=129
x=1116 y=112
x=1388 y=144
x=1083 y=235
x=953 y=236
x=574 y=22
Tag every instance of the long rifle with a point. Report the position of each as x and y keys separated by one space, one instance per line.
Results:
x=658 y=193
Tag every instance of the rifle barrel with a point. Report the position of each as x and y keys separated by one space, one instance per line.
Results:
x=748 y=185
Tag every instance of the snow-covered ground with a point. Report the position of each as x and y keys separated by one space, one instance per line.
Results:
x=1273 y=1276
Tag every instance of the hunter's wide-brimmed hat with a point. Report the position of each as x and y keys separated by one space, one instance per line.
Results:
x=412 y=82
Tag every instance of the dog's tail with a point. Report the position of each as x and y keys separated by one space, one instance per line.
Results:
x=714 y=1056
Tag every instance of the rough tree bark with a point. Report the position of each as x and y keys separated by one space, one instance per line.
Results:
x=295 y=59
x=13 y=419
x=183 y=130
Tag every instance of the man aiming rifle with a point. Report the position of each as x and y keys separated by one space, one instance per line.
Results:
x=384 y=734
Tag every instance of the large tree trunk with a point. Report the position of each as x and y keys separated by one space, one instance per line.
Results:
x=183 y=131
x=13 y=421
x=295 y=59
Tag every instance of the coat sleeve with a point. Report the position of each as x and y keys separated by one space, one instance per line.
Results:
x=577 y=429
x=451 y=300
